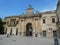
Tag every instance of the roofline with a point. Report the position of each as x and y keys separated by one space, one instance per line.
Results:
x=42 y=13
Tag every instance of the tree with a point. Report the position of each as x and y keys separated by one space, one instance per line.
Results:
x=1 y=26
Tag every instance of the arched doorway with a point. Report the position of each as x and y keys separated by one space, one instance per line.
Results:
x=29 y=29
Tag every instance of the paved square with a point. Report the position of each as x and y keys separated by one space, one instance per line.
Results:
x=18 y=40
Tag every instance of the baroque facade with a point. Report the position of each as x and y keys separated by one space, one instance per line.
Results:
x=39 y=24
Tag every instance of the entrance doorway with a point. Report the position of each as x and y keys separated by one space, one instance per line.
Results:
x=29 y=29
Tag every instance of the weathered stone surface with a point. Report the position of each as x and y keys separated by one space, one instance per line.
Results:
x=35 y=20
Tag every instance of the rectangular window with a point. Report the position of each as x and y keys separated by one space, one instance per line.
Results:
x=11 y=31
x=16 y=31
x=54 y=33
x=22 y=20
x=43 y=20
x=17 y=22
x=53 y=20
x=12 y=22
x=44 y=33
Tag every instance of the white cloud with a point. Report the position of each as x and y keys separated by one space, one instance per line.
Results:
x=45 y=10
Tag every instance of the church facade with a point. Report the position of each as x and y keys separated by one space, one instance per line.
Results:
x=39 y=24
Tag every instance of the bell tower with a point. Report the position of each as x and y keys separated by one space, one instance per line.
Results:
x=29 y=10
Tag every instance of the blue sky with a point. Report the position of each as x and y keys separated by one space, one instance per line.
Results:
x=17 y=7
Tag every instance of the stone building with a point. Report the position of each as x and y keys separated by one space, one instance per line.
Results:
x=39 y=24
x=58 y=10
x=58 y=16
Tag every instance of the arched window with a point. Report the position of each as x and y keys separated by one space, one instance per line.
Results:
x=44 y=21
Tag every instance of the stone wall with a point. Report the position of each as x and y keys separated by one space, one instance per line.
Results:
x=37 y=25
